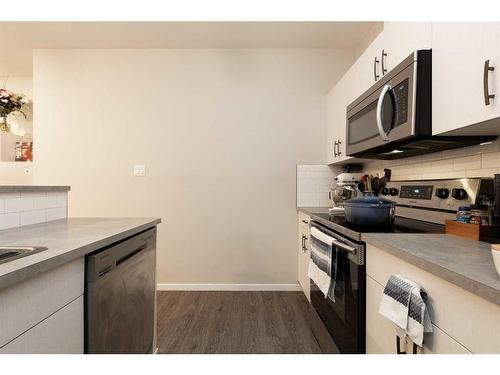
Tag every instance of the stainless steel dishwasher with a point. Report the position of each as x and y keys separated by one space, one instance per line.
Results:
x=120 y=287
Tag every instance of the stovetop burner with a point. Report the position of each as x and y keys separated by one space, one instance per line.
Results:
x=401 y=225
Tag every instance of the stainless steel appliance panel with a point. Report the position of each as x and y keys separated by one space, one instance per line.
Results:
x=396 y=88
x=120 y=297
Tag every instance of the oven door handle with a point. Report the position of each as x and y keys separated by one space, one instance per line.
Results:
x=380 y=127
x=343 y=246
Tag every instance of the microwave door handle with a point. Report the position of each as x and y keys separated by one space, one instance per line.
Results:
x=380 y=127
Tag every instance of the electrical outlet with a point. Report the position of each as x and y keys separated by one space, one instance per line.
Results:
x=139 y=170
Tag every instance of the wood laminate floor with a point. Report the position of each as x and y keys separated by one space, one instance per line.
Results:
x=234 y=322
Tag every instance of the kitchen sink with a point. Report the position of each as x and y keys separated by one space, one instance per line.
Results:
x=8 y=253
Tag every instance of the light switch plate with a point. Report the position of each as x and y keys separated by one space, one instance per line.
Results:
x=139 y=170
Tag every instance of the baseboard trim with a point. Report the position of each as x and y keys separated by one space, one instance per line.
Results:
x=231 y=287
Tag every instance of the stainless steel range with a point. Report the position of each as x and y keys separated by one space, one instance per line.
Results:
x=422 y=207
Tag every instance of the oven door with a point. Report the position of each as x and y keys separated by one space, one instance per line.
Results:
x=344 y=319
x=385 y=112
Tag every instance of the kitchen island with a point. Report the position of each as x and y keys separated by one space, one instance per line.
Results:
x=41 y=295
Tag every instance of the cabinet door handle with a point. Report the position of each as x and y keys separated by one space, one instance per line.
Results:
x=400 y=351
x=335 y=149
x=339 y=142
x=305 y=221
x=305 y=246
x=398 y=346
x=375 y=75
x=487 y=95
x=384 y=69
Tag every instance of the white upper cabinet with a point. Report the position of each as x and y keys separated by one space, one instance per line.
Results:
x=337 y=101
x=400 y=39
x=459 y=53
x=397 y=40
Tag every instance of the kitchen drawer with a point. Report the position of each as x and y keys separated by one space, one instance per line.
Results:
x=304 y=220
x=470 y=320
x=381 y=336
x=24 y=305
x=60 y=333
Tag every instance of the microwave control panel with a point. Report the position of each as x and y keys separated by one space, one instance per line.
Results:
x=400 y=93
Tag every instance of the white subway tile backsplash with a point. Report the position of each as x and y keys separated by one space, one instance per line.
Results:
x=32 y=194
x=444 y=174
x=18 y=204
x=17 y=209
x=407 y=177
x=313 y=185
x=10 y=195
x=422 y=167
x=62 y=199
x=474 y=161
x=483 y=149
x=485 y=172
x=48 y=201
x=56 y=213
x=427 y=157
x=442 y=165
x=9 y=220
x=324 y=200
x=467 y=162
x=33 y=217
x=490 y=160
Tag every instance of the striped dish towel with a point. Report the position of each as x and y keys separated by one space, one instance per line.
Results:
x=323 y=256
x=402 y=303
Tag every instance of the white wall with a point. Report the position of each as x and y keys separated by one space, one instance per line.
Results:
x=220 y=131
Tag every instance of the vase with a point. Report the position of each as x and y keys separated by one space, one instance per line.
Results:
x=4 y=127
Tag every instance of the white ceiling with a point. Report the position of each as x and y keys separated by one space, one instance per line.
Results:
x=17 y=39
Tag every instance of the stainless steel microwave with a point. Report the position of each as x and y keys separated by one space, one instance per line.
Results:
x=393 y=119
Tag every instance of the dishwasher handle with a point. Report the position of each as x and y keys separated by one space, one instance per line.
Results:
x=109 y=258
x=131 y=254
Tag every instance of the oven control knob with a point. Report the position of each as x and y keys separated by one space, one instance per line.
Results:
x=442 y=193
x=459 y=194
x=384 y=191
x=393 y=191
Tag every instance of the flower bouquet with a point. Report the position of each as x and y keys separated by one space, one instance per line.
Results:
x=10 y=105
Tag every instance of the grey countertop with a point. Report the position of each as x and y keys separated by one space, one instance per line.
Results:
x=31 y=188
x=66 y=239
x=463 y=262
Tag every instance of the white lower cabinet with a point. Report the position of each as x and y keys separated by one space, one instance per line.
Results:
x=36 y=302
x=60 y=333
x=381 y=336
x=463 y=322
x=303 y=253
